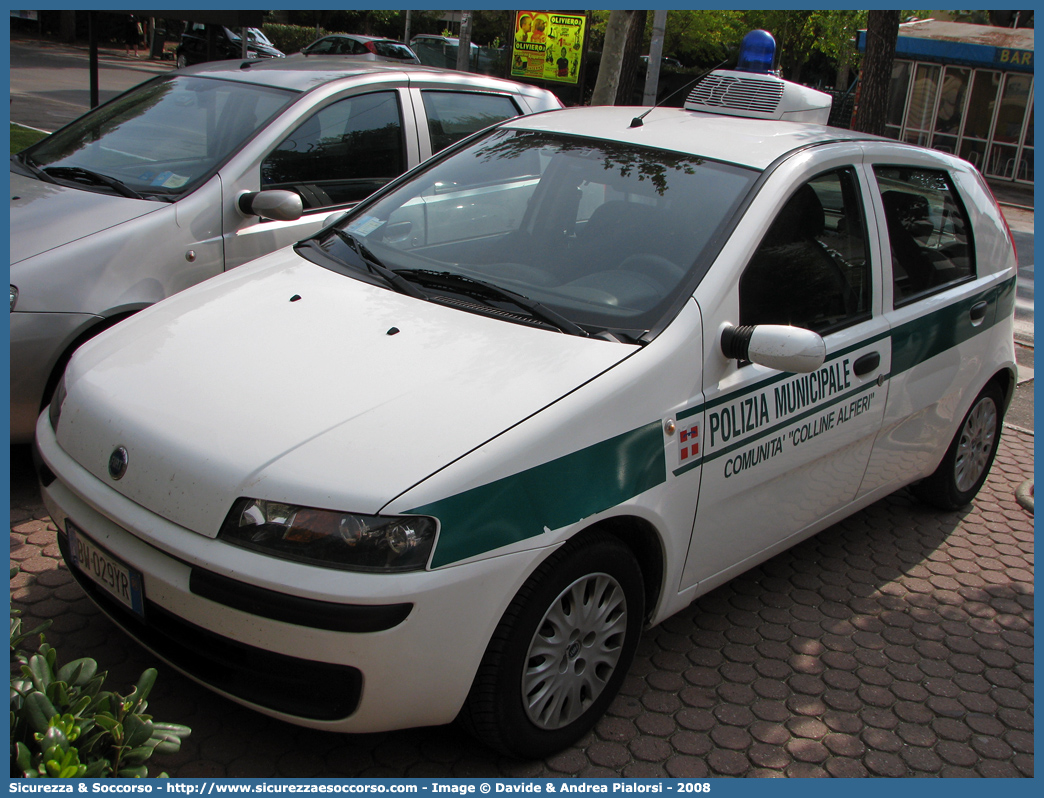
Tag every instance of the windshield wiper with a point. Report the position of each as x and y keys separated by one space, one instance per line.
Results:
x=378 y=268
x=482 y=289
x=79 y=173
x=26 y=163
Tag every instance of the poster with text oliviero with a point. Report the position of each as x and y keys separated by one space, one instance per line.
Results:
x=547 y=45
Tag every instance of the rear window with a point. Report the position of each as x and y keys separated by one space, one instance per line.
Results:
x=928 y=232
x=394 y=50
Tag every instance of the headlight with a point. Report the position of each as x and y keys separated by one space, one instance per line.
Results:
x=14 y=297
x=54 y=411
x=330 y=539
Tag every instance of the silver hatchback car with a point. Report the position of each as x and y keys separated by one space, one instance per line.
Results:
x=203 y=169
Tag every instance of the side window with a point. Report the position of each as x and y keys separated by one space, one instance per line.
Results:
x=453 y=115
x=928 y=232
x=812 y=269
x=341 y=153
x=323 y=47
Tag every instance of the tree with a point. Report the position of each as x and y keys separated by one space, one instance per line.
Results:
x=629 y=66
x=703 y=38
x=609 y=69
x=801 y=35
x=882 y=32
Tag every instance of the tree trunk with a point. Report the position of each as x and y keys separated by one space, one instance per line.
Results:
x=68 y=26
x=882 y=31
x=612 y=58
x=629 y=66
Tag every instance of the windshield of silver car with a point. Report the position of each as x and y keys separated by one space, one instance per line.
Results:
x=605 y=234
x=159 y=140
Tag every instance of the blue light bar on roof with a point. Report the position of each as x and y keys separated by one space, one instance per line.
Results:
x=757 y=52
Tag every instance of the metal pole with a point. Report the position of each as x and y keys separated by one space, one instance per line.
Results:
x=92 y=39
x=464 y=43
x=652 y=73
x=406 y=37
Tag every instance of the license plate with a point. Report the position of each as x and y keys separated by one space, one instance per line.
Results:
x=118 y=579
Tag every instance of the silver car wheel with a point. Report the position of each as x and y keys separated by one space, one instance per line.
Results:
x=575 y=650
x=976 y=444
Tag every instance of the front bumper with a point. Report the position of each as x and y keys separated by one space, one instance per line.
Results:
x=250 y=626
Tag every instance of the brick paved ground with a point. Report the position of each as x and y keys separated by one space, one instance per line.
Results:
x=896 y=643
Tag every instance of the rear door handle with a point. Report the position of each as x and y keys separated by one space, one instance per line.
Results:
x=866 y=363
x=978 y=311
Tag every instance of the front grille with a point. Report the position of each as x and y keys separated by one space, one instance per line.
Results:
x=737 y=93
x=300 y=687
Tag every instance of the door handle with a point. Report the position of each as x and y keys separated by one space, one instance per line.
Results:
x=978 y=311
x=866 y=363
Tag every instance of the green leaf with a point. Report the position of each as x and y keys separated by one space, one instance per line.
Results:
x=174 y=728
x=72 y=771
x=88 y=743
x=55 y=737
x=22 y=757
x=98 y=768
x=79 y=706
x=38 y=712
x=58 y=692
x=168 y=746
x=138 y=772
x=79 y=671
x=40 y=672
x=137 y=756
x=144 y=685
x=107 y=722
x=138 y=731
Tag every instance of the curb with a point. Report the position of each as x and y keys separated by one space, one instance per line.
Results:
x=1024 y=495
x=1017 y=207
x=1018 y=429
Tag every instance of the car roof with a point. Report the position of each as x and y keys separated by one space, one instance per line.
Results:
x=304 y=73
x=358 y=37
x=753 y=143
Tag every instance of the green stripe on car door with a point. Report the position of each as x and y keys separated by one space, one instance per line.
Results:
x=548 y=496
x=923 y=338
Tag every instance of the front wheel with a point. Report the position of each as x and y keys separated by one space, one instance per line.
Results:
x=182 y=61
x=967 y=462
x=561 y=651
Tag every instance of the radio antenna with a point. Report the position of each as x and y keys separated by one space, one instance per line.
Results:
x=637 y=121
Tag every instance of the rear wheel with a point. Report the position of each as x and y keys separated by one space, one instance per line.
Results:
x=561 y=651
x=182 y=61
x=967 y=462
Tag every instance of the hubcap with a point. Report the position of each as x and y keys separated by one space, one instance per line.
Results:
x=975 y=445
x=575 y=651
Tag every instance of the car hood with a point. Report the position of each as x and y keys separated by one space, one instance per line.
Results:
x=47 y=215
x=286 y=381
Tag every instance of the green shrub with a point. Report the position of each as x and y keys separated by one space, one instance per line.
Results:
x=291 y=38
x=63 y=725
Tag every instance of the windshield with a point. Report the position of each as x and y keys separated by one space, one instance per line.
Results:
x=605 y=234
x=163 y=138
x=253 y=35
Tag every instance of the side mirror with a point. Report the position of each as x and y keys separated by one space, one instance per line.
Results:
x=276 y=204
x=776 y=346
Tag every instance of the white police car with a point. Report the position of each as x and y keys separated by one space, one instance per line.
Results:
x=449 y=456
